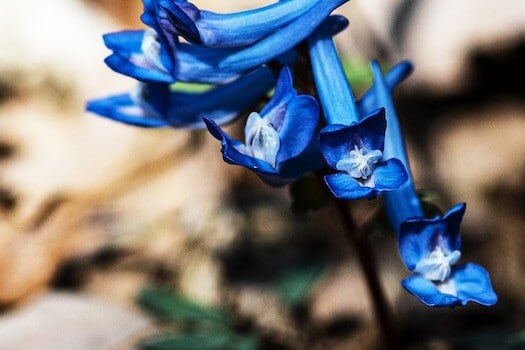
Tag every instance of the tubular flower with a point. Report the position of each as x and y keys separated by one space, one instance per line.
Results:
x=352 y=147
x=156 y=55
x=279 y=142
x=430 y=248
x=233 y=29
x=156 y=105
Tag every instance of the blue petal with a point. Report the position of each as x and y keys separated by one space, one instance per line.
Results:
x=369 y=101
x=281 y=40
x=127 y=53
x=389 y=175
x=417 y=235
x=232 y=156
x=123 y=109
x=308 y=160
x=473 y=284
x=178 y=109
x=337 y=141
x=335 y=94
x=427 y=292
x=345 y=186
x=294 y=116
x=234 y=29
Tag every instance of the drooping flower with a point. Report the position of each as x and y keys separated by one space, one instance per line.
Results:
x=279 y=142
x=156 y=105
x=430 y=248
x=158 y=56
x=233 y=29
x=352 y=147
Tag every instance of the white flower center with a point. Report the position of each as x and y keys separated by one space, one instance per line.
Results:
x=436 y=265
x=360 y=162
x=262 y=140
x=151 y=50
x=447 y=287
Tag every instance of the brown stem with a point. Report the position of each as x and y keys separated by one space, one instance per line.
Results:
x=382 y=311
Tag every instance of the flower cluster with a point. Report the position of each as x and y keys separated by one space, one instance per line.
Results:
x=358 y=143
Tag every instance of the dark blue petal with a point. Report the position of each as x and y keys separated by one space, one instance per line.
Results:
x=345 y=186
x=122 y=108
x=337 y=141
x=182 y=16
x=473 y=284
x=418 y=236
x=308 y=160
x=427 y=292
x=232 y=156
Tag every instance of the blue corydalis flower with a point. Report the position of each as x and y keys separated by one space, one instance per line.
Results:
x=352 y=147
x=279 y=141
x=356 y=152
x=157 y=56
x=430 y=249
x=156 y=105
x=233 y=29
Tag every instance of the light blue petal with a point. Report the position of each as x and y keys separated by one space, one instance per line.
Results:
x=427 y=292
x=345 y=186
x=473 y=284
x=335 y=93
x=282 y=40
x=233 y=29
x=404 y=202
x=453 y=221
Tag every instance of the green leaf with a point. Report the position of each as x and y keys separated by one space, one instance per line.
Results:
x=200 y=341
x=295 y=286
x=169 y=305
x=197 y=341
x=307 y=194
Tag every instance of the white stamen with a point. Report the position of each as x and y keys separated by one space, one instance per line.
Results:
x=436 y=265
x=360 y=162
x=262 y=140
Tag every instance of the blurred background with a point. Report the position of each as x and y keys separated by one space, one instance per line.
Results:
x=92 y=212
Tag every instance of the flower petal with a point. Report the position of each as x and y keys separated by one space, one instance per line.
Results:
x=389 y=175
x=427 y=292
x=473 y=284
x=345 y=186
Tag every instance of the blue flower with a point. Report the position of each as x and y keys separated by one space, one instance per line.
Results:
x=233 y=29
x=352 y=147
x=356 y=152
x=430 y=249
x=156 y=105
x=279 y=142
x=158 y=56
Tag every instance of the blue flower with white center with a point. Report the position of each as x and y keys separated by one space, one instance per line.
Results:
x=233 y=29
x=156 y=105
x=356 y=152
x=352 y=147
x=279 y=142
x=174 y=61
x=430 y=249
